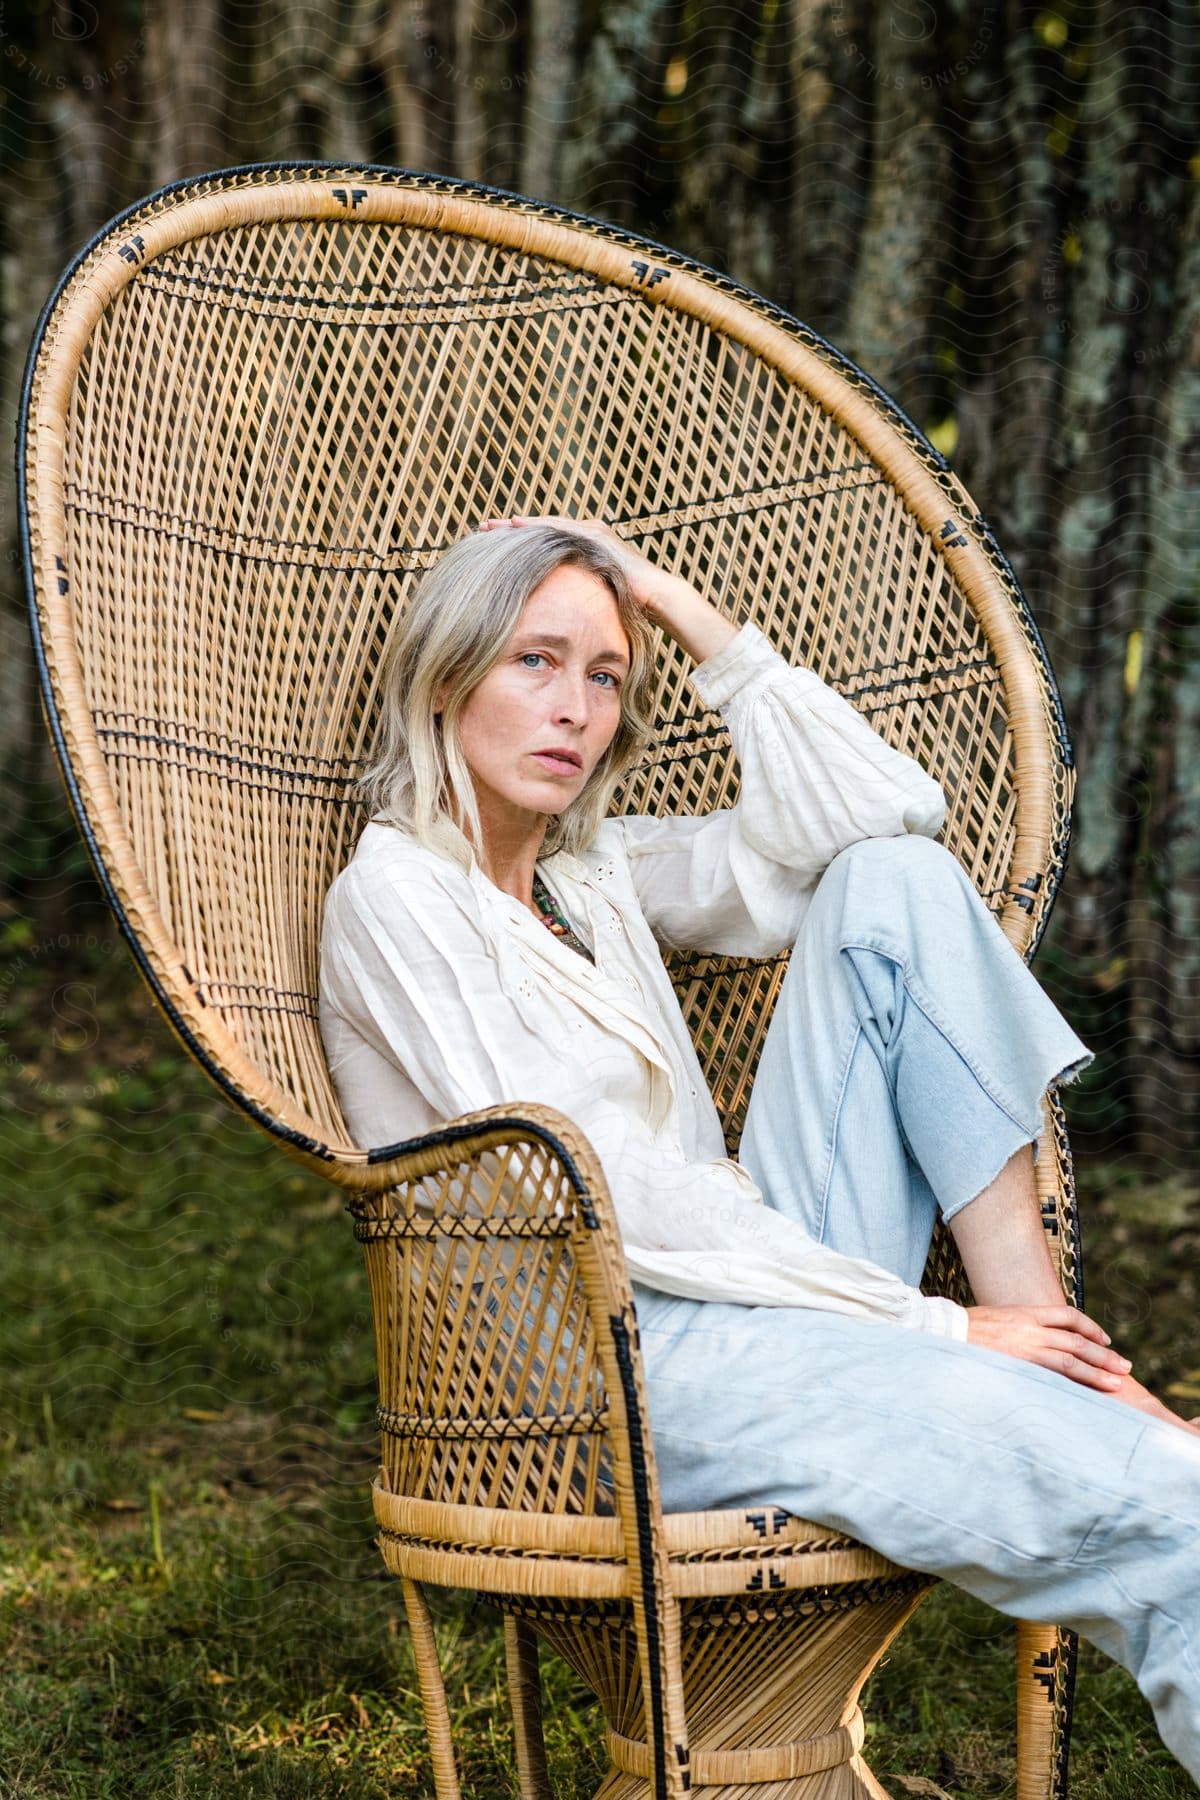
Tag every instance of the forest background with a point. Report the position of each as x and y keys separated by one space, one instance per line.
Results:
x=995 y=210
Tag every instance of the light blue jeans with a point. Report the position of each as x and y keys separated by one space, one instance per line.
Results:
x=906 y=1061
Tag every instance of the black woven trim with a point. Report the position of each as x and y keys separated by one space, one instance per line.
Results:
x=968 y=687
x=618 y=298
x=487 y=1428
x=251 y=987
x=456 y=293
x=450 y=1135
x=686 y=963
x=346 y=559
x=689 y=739
x=453 y=1225
x=299 y=787
x=223 y=737
x=552 y=1609
x=770 y=1550
x=203 y=533
x=709 y=1612
x=619 y=1326
x=1076 y=1232
x=1068 y=1652
x=743 y=503
x=228 y=757
x=683 y=746
x=351 y=563
x=963 y=668
x=262 y=1006
x=804 y=1602
x=517 y=1553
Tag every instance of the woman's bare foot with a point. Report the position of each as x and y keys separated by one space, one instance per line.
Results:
x=1132 y=1393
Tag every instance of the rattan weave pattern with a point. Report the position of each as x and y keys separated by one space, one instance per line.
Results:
x=258 y=406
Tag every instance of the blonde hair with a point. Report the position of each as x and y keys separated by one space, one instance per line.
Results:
x=452 y=632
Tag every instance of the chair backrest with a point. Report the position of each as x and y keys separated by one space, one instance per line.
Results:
x=260 y=403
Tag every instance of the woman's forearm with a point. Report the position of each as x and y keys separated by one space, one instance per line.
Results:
x=691 y=620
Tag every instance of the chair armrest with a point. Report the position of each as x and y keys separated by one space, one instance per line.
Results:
x=482 y=1240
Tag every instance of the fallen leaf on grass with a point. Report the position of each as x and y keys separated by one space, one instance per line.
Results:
x=920 y=1784
x=125 y=1505
x=203 y=1417
x=1188 y=1388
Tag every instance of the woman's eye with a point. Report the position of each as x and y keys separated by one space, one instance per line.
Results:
x=529 y=657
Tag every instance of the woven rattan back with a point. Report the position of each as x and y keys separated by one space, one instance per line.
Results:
x=262 y=403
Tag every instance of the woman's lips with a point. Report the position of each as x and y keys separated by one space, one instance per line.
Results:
x=555 y=765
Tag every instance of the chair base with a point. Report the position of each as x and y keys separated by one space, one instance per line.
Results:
x=852 y=1781
x=770 y=1685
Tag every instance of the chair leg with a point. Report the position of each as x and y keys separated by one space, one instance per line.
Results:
x=525 y=1695
x=1045 y=1658
x=433 y=1692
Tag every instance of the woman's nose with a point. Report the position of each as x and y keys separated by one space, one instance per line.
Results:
x=572 y=698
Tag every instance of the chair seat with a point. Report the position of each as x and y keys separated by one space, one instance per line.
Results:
x=496 y=1550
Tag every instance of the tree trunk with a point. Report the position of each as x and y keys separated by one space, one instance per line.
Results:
x=893 y=326
x=1163 y=680
x=615 y=152
x=549 y=95
x=1120 y=572
x=832 y=108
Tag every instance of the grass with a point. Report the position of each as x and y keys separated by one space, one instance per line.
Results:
x=191 y=1602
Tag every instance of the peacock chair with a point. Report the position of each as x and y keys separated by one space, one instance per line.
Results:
x=258 y=405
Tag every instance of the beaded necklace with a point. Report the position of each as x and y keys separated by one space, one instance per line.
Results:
x=554 y=919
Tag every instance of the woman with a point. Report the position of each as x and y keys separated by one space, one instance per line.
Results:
x=496 y=937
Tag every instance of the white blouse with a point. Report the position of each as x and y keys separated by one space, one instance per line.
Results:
x=440 y=994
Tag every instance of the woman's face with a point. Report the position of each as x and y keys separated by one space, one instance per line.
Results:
x=555 y=686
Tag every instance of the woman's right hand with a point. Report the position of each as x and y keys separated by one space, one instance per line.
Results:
x=1057 y=1337
x=1064 y=1339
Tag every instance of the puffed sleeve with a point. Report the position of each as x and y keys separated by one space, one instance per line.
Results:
x=815 y=777
x=407 y=965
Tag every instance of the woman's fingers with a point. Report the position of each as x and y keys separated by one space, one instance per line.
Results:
x=1061 y=1338
x=1082 y=1360
x=1069 y=1318
x=1083 y=1349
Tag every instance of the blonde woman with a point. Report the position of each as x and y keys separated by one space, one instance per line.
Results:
x=497 y=938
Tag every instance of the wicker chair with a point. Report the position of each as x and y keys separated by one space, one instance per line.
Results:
x=257 y=406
